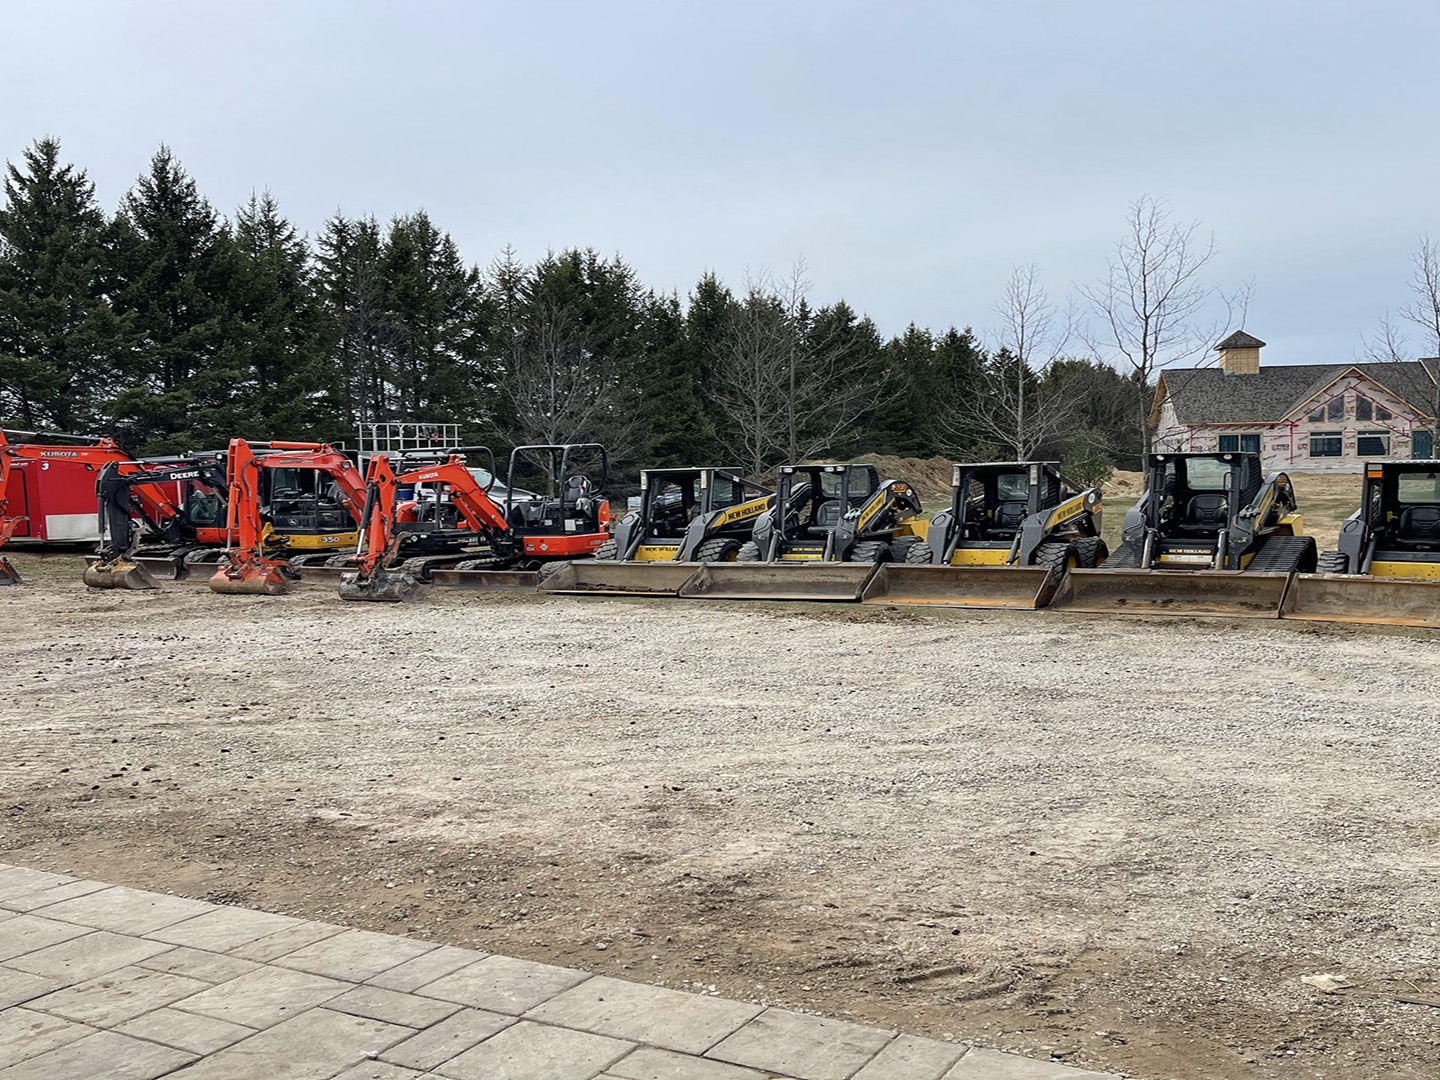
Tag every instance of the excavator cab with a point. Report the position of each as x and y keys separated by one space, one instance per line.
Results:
x=1211 y=535
x=1011 y=532
x=828 y=529
x=686 y=516
x=1386 y=569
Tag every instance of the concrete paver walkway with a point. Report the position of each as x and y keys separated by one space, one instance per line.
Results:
x=101 y=981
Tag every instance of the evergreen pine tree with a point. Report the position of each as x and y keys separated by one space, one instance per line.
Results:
x=59 y=336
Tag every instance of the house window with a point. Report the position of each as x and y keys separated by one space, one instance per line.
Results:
x=1373 y=444
x=1422 y=444
x=1317 y=414
x=1325 y=444
x=1249 y=444
x=1336 y=409
x=1363 y=408
x=1382 y=413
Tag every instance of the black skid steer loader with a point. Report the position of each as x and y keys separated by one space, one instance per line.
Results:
x=686 y=516
x=828 y=530
x=1210 y=535
x=1386 y=569
x=1012 y=531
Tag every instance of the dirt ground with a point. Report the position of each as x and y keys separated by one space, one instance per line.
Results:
x=1121 y=842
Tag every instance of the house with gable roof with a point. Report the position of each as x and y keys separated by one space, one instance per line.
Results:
x=1300 y=417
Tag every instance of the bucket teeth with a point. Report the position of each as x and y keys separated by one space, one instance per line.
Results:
x=263 y=581
x=119 y=575
x=384 y=587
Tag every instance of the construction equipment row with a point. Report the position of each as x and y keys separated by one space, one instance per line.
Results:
x=1210 y=534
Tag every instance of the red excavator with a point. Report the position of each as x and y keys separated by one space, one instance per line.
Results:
x=47 y=489
x=246 y=568
x=463 y=530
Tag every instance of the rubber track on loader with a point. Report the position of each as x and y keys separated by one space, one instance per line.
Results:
x=1125 y=557
x=1280 y=555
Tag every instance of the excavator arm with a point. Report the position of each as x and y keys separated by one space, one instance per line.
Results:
x=379 y=541
x=247 y=569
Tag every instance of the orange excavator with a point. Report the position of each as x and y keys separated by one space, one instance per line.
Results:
x=47 y=489
x=247 y=568
x=457 y=530
x=422 y=534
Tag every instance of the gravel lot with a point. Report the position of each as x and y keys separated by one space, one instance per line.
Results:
x=1124 y=841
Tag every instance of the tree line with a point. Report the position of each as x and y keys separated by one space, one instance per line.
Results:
x=175 y=327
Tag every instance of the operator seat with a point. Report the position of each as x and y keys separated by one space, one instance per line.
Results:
x=1420 y=527
x=1206 y=515
x=827 y=516
x=1008 y=516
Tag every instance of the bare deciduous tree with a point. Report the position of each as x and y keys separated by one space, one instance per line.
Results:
x=1015 y=405
x=1153 y=304
x=786 y=389
x=562 y=390
x=1391 y=343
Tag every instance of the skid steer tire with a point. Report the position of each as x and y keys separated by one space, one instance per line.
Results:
x=608 y=550
x=899 y=548
x=1091 y=551
x=1332 y=562
x=1058 y=557
x=718 y=551
x=749 y=552
x=871 y=551
x=921 y=554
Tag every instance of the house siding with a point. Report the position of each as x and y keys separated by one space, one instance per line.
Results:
x=1286 y=444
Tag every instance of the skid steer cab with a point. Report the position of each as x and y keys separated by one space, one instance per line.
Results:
x=686 y=516
x=1012 y=531
x=1211 y=535
x=1386 y=569
x=828 y=529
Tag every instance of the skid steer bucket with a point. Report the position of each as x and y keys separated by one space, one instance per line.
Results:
x=120 y=574
x=961 y=586
x=390 y=586
x=1173 y=592
x=1354 y=598
x=832 y=581
x=606 y=576
x=485 y=579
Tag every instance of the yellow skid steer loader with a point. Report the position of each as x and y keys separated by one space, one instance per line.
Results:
x=685 y=517
x=1387 y=567
x=829 y=528
x=1210 y=536
x=1011 y=533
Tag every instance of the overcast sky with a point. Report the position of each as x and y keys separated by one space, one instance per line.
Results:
x=911 y=152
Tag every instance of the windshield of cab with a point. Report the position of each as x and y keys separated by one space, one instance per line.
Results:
x=1207 y=474
x=1012 y=487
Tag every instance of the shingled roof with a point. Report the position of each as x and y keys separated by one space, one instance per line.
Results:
x=1209 y=396
x=1241 y=340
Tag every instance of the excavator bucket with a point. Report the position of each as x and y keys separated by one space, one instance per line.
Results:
x=611 y=578
x=161 y=568
x=249 y=581
x=838 y=582
x=8 y=574
x=1356 y=598
x=961 y=586
x=1234 y=593
x=485 y=579
x=384 y=586
x=119 y=574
